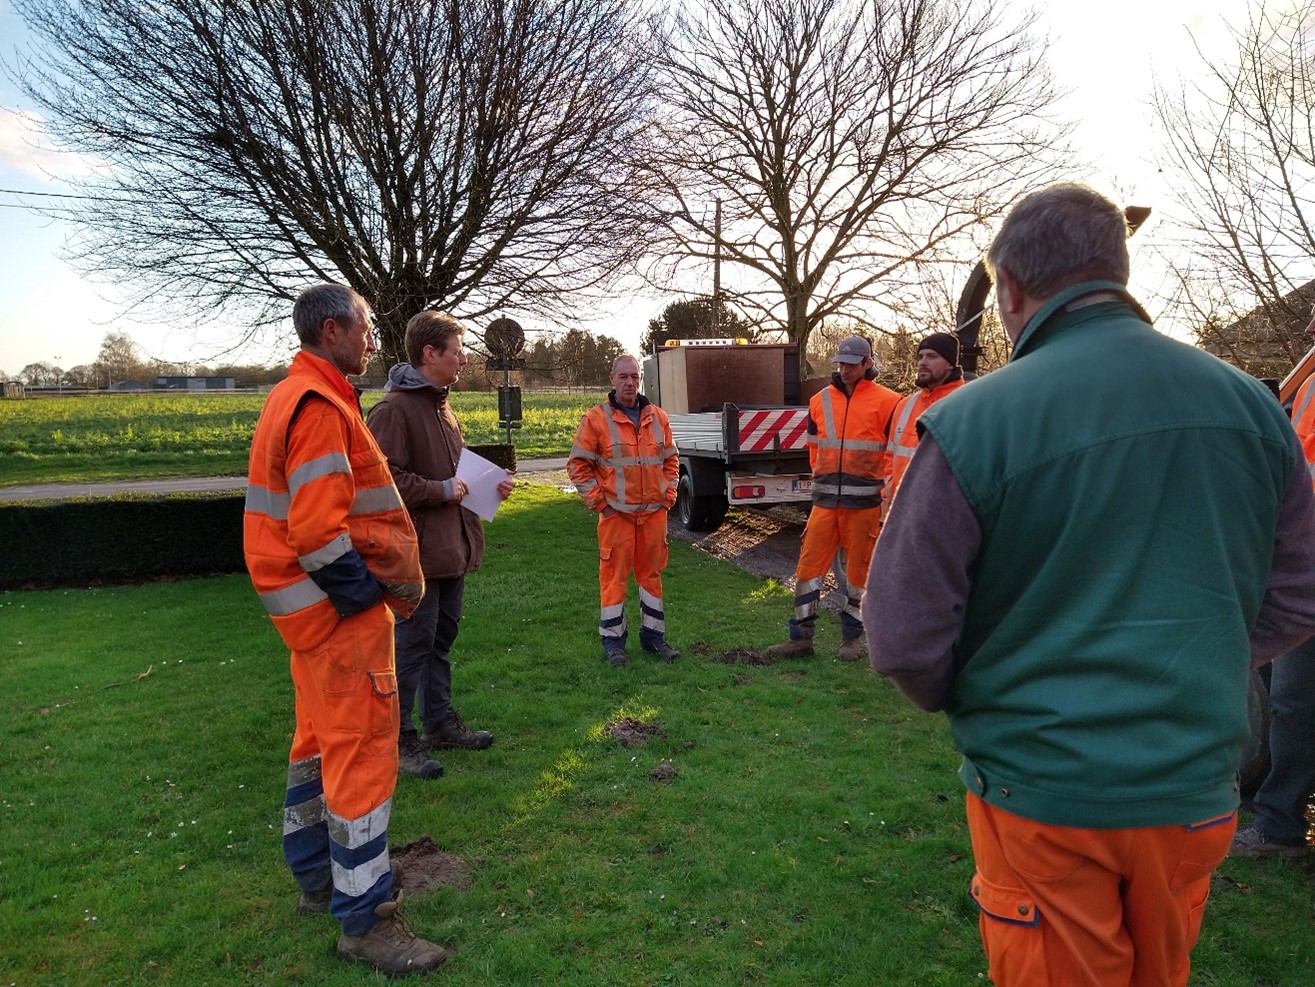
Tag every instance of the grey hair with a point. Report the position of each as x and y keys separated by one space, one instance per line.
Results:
x=627 y=356
x=320 y=302
x=1059 y=236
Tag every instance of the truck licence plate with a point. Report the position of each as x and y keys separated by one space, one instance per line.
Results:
x=803 y=486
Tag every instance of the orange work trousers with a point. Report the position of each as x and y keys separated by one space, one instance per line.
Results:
x=343 y=767
x=1090 y=907
x=631 y=543
x=829 y=529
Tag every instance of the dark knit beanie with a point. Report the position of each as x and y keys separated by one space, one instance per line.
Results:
x=944 y=345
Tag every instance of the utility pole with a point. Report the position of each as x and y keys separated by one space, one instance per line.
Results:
x=716 y=270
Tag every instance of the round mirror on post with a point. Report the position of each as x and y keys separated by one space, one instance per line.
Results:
x=505 y=340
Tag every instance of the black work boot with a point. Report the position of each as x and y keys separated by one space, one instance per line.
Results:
x=391 y=946
x=453 y=733
x=412 y=758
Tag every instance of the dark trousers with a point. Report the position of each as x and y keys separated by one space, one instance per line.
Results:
x=1281 y=802
x=424 y=642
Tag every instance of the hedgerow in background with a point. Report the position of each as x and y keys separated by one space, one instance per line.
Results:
x=120 y=436
x=812 y=834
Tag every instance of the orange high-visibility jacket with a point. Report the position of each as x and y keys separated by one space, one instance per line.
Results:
x=847 y=444
x=1303 y=420
x=614 y=464
x=904 y=434
x=320 y=501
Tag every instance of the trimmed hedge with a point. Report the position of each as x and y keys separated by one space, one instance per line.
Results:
x=132 y=538
x=123 y=539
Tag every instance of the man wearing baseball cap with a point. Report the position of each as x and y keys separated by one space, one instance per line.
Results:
x=847 y=423
x=939 y=374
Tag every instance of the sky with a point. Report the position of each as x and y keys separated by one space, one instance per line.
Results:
x=1107 y=61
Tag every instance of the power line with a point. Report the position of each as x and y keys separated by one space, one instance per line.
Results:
x=53 y=195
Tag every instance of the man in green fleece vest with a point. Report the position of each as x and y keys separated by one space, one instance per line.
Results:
x=1091 y=547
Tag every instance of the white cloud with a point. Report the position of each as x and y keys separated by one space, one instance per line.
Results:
x=27 y=149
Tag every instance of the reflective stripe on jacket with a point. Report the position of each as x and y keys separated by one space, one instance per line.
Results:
x=847 y=443
x=318 y=491
x=614 y=464
x=904 y=436
x=1303 y=420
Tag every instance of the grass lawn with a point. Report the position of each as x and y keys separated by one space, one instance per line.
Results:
x=812 y=835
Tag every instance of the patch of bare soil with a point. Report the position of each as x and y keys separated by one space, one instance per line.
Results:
x=425 y=867
x=731 y=656
x=664 y=772
x=629 y=732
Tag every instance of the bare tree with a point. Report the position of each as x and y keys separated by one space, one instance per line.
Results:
x=477 y=155
x=118 y=359
x=1239 y=156
x=851 y=144
x=40 y=374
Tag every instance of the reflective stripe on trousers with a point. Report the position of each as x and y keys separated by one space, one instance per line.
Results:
x=343 y=767
x=626 y=546
x=828 y=530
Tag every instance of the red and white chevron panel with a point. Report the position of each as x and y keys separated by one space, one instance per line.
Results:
x=758 y=428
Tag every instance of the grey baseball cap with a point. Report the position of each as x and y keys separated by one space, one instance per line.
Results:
x=855 y=349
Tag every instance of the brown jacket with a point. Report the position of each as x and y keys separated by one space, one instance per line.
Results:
x=418 y=432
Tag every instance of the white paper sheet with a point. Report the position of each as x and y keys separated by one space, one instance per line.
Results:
x=481 y=478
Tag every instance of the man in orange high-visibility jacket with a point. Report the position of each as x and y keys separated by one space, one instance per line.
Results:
x=939 y=374
x=847 y=435
x=625 y=466
x=332 y=552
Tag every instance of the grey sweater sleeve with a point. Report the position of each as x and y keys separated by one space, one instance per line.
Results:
x=1287 y=615
x=920 y=579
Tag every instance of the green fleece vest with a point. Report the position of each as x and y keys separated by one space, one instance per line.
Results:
x=1128 y=487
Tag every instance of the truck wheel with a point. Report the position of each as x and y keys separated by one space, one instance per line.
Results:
x=698 y=513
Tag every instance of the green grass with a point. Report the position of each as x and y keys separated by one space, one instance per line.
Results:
x=813 y=834
x=131 y=436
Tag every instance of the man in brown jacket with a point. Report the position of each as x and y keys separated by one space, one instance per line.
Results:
x=418 y=432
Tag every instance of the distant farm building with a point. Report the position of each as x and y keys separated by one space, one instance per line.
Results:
x=180 y=383
x=1268 y=340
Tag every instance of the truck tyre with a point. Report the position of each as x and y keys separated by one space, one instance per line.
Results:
x=698 y=513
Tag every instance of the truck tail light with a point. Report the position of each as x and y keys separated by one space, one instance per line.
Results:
x=748 y=491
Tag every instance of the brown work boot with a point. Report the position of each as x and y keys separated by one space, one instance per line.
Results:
x=318 y=902
x=453 y=733
x=390 y=946
x=412 y=758
x=798 y=647
x=616 y=657
x=1251 y=844
x=663 y=650
x=851 y=650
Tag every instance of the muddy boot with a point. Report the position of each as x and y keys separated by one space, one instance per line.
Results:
x=412 y=758
x=851 y=650
x=796 y=647
x=390 y=946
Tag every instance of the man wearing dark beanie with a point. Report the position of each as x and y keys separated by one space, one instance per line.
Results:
x=938 y=375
